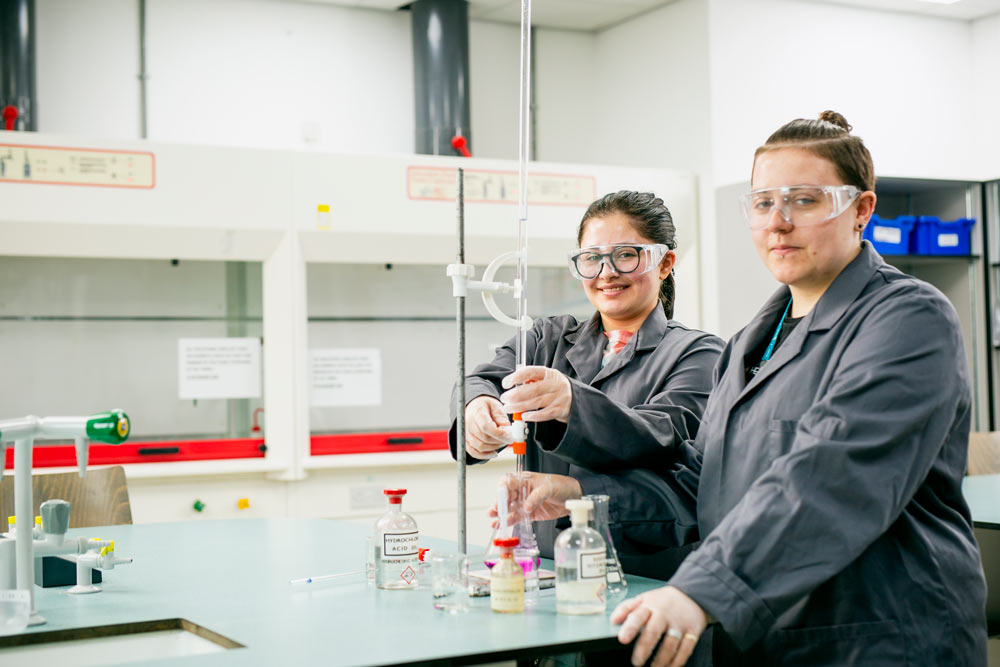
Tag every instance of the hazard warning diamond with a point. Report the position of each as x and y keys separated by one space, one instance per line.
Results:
x=408 y=574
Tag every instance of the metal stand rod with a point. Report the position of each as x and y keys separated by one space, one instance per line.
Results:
x=460 y=407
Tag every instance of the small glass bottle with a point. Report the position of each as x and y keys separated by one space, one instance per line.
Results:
x=580 y=564
x=507 y=580
x=396 y=551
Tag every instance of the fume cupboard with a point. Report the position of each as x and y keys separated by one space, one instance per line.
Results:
x=113 y=252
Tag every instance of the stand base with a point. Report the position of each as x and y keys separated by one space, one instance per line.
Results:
x=83 y=590
x=35 y=618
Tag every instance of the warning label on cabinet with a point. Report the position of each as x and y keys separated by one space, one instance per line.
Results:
x=53 y=165
x=500 y=187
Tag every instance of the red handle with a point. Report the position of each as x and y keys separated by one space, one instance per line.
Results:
x=459 y=144
x=9 y=117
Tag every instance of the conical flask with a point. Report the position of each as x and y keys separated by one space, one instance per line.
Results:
x=503 y=529
x=512 y=522
x=600 y=521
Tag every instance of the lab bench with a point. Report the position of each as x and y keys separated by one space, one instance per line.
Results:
x=982 y=492
x=232 y=578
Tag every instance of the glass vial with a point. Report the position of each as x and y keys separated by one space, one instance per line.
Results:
x=507 y=580
x=396 y=551
x=601 y=522
x=580 y=564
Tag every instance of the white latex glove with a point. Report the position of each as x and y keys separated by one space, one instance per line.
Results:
x=486 y=427
x=654 y=614
x=540 y=394
x=547 y=496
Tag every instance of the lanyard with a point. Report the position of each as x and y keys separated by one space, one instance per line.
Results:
x=774 y=338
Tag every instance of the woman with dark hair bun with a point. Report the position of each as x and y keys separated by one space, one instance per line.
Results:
x=606 y=399
x=831 y=451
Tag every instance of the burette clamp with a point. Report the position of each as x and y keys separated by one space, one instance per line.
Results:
x=461 y=281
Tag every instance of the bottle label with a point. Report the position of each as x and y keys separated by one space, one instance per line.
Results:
x=593 y=565
x=399 y=544
x=507 y=593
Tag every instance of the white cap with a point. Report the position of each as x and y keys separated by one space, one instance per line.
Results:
x=579 y=509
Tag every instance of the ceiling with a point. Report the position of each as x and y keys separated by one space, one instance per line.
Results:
x=566 y=14
x=967 y=10
x=593 y=15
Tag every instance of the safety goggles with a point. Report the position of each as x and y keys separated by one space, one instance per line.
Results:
x=587 y=263
x=800 y=205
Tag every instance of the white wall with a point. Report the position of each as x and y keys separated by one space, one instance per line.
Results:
x=985 y=98
x=568 y=100
x=903 y=81
x=87 y=67
x=267 y=73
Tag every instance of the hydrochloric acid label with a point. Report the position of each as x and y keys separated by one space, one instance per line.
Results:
x=399 y=544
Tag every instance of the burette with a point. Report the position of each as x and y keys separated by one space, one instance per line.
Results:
x=521 y=281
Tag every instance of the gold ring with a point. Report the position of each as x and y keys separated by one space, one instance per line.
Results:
x=688 y=635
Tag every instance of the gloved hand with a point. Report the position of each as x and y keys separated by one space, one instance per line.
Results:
x=546 y=496
x=485 y=431
x=662 y=611
x=540 y=394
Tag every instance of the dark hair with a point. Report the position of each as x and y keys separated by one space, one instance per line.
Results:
x=649 y=217
x=830 y=138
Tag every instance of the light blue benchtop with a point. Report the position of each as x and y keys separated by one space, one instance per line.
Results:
x=982 y=492
x=231 y=577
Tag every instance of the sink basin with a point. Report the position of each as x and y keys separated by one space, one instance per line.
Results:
x=113 y=644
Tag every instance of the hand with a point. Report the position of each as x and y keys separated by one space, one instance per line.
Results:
x=540 y=394
x=546 y=496
x=484 y=427
x=655 y=613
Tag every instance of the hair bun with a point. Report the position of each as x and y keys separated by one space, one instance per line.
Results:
x=835 y=118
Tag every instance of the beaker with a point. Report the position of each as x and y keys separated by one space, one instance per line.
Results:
x=15 y=608
x=601 y=522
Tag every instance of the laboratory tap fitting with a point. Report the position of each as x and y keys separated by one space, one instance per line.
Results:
x=112 y=427
x=100 y=556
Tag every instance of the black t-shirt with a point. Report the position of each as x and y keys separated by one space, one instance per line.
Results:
x=754 y=359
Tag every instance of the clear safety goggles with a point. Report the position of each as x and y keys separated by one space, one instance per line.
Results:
x=587 y=263
x=800 y=205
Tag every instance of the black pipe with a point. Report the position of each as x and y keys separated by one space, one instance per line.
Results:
x=441 y=74
x=17 y=61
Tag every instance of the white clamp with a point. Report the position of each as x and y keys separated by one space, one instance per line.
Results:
x=461 y=284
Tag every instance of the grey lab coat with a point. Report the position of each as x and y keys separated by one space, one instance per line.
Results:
x=624 y=421
x=834 y=531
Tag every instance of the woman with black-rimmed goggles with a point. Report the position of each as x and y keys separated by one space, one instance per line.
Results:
x=605 y=396
x=635 y=258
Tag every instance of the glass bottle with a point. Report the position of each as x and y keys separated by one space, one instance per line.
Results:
x=580 y=564
x=507 y=580
x=601 y=522
x=396 y=539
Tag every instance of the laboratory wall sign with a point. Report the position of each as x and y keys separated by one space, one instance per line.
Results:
x=486 y=186
x=55 y=165
x=345 y=377
x=218 y=368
